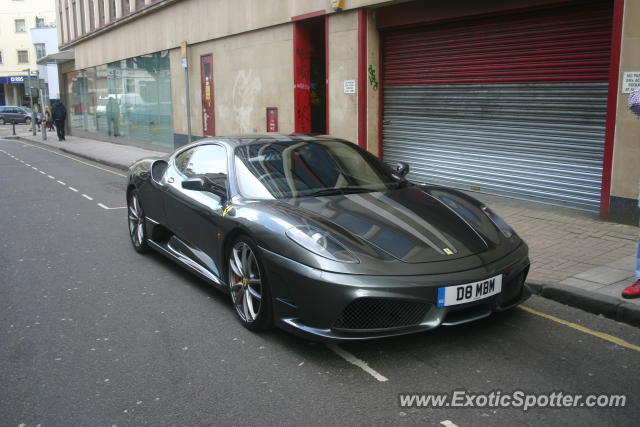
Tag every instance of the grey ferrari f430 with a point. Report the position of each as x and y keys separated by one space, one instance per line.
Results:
x=319 y=237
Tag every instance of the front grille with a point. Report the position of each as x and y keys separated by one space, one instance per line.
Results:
x=380 y=313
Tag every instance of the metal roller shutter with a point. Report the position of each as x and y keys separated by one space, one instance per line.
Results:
x=512 y=104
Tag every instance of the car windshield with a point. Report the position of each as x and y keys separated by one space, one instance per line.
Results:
x=284 y=169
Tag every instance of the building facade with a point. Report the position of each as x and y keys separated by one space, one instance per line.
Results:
x=521 y=98
x=18 y=52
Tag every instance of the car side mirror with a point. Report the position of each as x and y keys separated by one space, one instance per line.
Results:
x=402 y=169
x=195 y=184
x=212 y=183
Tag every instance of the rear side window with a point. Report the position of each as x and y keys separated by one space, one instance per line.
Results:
x=203 y=160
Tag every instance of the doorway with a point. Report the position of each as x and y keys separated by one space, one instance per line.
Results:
x=310 y=76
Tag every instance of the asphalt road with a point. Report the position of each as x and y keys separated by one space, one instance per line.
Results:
x=92 y=333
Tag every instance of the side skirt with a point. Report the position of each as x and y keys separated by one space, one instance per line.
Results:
x=189 y=264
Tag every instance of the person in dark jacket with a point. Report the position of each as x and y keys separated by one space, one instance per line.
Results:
x=59 y=115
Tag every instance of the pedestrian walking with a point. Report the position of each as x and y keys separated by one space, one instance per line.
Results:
x=59 y=115
x=47 y=118
x=633 y=291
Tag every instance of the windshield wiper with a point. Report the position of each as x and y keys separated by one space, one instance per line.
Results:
x=337 y=190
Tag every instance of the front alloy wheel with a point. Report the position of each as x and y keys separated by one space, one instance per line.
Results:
x=249 y=291
x=136 y=223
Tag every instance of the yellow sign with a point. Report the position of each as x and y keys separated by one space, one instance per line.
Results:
x=337 y=5
x=207 y=92
x=183 y=50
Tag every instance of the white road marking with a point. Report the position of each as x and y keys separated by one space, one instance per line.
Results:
x=34 y=168
x=21 y=161
x=76 y=160
x=61 y=183
x=42 y=172
x=87 y=197
x=73 y=189
x=447 y=423
x=27 y=164
x=108 y=208
x=52 y=177
x=357 y=362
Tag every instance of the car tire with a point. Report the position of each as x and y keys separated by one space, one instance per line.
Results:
x=248 y=285
x=27 y=121
x=137 y=226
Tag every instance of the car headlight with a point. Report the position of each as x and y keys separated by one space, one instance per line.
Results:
x=320 y=243
x=499 y=222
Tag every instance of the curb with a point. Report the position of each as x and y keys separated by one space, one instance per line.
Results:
x=592 y=302
x=66 y=150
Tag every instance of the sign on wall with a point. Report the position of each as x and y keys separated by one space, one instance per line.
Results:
x=349 y=86
x=630 y=81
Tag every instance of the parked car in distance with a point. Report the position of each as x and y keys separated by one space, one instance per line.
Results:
x=319 y=237
x=15 y=114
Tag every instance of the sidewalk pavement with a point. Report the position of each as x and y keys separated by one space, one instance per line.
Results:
x=576 y=258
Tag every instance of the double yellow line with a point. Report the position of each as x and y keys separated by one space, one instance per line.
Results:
x=601 y=335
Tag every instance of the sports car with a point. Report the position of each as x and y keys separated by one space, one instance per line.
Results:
x=321 y=238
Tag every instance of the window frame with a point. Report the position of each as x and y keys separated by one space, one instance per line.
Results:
x=44 y=50
x=27 y=53
x=24 y=25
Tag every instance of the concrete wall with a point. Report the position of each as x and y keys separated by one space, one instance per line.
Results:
x=343 y=65
x=251 y=71
x=625 y=181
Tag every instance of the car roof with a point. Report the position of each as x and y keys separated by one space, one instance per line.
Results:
x=239 y=140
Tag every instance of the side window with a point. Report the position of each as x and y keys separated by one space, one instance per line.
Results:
x=202 y=160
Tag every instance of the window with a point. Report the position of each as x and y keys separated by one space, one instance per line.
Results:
x=203 y=160
x=139 y=4
x=112 y=10
x=92 y=22
x=0 y=57
x=101 y=17
x=20 y=26
x=39 y=22
x=126 y=8
x=40 y=50
x=23 y=56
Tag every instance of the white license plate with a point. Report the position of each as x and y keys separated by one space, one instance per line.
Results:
x=460 y=294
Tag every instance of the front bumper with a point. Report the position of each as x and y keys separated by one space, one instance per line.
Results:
x=312 y=303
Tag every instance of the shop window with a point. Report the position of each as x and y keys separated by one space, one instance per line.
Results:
x=40 y=50
x=23 y=57
x=20 y=26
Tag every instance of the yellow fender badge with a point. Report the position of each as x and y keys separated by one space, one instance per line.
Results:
x=448 y=251
x=226 y=210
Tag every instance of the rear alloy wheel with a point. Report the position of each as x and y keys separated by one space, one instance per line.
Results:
x=137 y=230
x=249 y=290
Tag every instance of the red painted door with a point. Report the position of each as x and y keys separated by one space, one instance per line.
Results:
x=206 y=84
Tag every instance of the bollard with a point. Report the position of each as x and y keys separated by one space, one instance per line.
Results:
x=13 y=124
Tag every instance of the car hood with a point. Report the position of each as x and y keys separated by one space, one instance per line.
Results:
x=413 y=225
